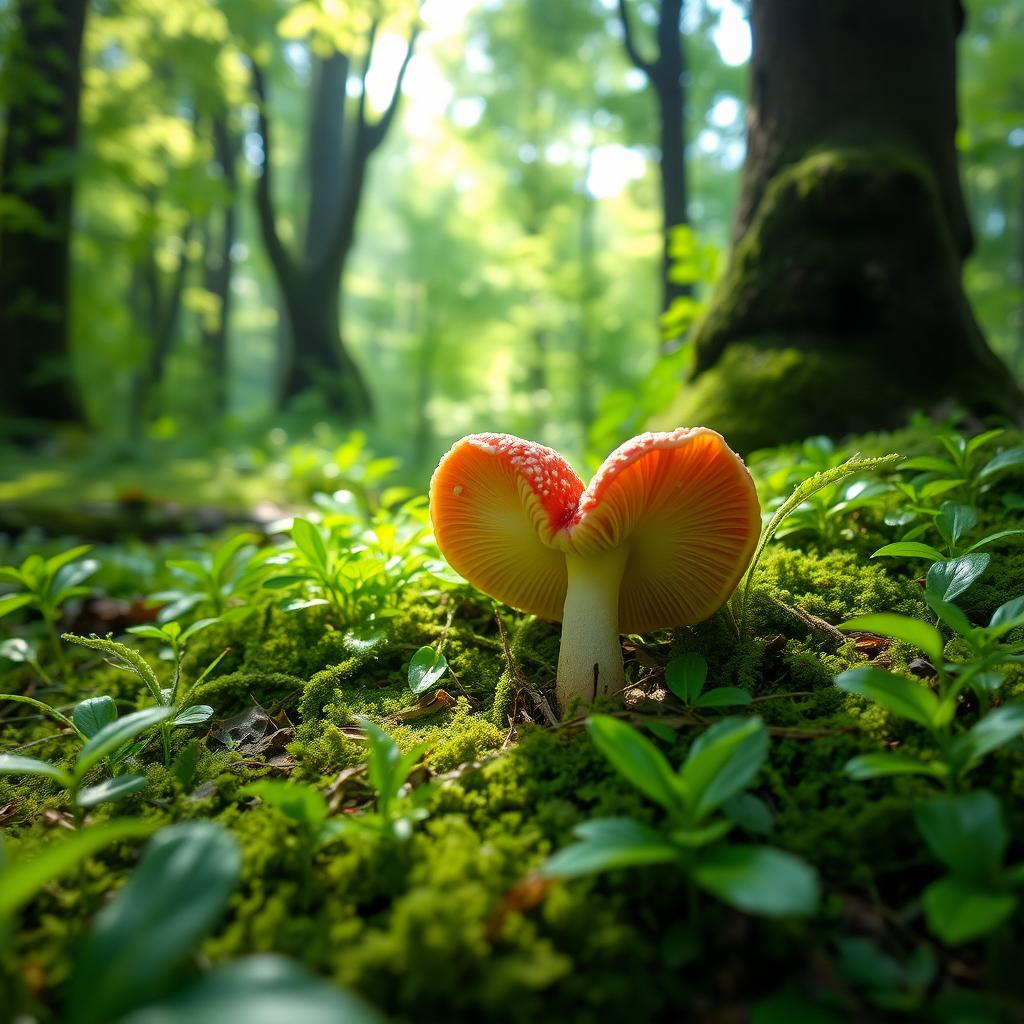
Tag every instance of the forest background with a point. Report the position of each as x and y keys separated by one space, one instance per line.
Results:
x=483 y=180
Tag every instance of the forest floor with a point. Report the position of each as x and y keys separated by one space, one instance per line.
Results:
x=422 y=883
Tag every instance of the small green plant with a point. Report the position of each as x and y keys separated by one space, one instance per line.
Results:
x=964 y=464
x=698 y=800
x=685 y=676
x=968 y=835
x=173 y=698
x=212 y=584
x=935 y=710
x=803 y=492
x=44 y=585
x=112 y=741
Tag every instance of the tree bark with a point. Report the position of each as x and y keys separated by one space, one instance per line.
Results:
x=341 y=141
x=665 y=74
x=37 y=180
x=843 y=307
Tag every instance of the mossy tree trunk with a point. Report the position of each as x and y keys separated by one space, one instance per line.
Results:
x=843 y=307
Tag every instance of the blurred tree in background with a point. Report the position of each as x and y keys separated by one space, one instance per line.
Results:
x=457 y=215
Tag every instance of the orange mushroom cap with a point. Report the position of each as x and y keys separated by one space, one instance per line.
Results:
x=506 y=511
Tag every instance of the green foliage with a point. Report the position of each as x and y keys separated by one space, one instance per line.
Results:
x=685 y=676
x=720 y=766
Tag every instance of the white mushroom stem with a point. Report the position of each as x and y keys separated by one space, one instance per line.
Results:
x=590 y=658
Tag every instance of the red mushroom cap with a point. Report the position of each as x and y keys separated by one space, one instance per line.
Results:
x=505 y=510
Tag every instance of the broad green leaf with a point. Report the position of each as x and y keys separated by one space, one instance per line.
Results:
x=12 y=602
x=173 y=898
x=15 y=764
x=759 y=880
x=997 y=728
x=930 y=464
x=1007 y=459
x=954 y=520
x=310 y=542
x=384 y=759
x=724 y=697
x=947 y=580
x=607 y=843
x=909 y=549
x=685 y=676
x=894 y=693
x=111 y=736
x=197 y=714
x=900 y=627
x=426 y=669
x=260 y=989
x=1007 y=616
x=93 y=713
x=959 y=910
x=950 y=615
x=723 y=761
x=109 y=790
x=303 y=804
x=965 y=832
x=637 y=759
x=878 y=766
x=150 y=632
x=227 y=551
x=749 y=812
x=21 y=880
x=55 y=564
x=982 y=439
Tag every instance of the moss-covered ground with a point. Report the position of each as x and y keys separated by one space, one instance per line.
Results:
x=452 y=925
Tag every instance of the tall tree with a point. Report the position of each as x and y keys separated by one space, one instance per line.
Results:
x=665 y=73
x=843 y=306
x=43 y=85
x=342 y=137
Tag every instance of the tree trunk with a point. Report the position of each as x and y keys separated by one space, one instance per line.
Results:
x=319 y=360
x=843 y=307
x=37 y=180
x=217 y=272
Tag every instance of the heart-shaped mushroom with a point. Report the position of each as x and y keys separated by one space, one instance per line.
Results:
x=661 y=537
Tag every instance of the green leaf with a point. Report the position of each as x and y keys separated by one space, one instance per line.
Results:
x=723 y=761
x=303 y=804
x=150 y=632
x=93 y=713
x=954 y=520
x=997 y=728
x=1007 y=616
x=261 y=989
x=55 y=564
x=909 y=549
x=608 y=843
x=930 y=464
x=173 y=898
x=878 y=766
x=310 y=542
x=947 y=580
x=965 y=832
x=894 y=693
x=12 y=602
x=993 y=537
x=950 y=615
x=982 y=439
x=750 y=813
x=685 y=676
x=384 y=759
x=111 y=736
x=759 y=880
x=637 y=759
x=227 y=551
x=197 y=714
x=958 y=910
x=15 y=764
x=724 y=697
x=426 y=669
x=900 y=627
x=22 y=879
x=1006 y=459
x=110 y=789
x=661 y=731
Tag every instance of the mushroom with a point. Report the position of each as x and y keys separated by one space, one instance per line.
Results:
x=660 y=537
